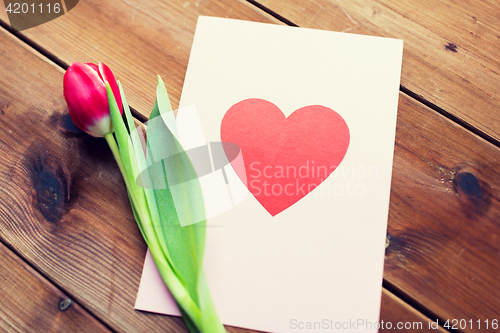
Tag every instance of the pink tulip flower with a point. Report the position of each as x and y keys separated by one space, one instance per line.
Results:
x=85 y=94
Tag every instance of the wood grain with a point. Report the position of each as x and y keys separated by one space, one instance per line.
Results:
x=451 y=55
x=402 y=317
x=76 y=227
x=444 y=236
x=136 y=39
x=395 y=315
x=444 y=231
x=63 y=205
x=30 y=303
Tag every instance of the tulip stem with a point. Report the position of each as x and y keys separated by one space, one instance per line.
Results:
x=176 y=287
x=116 y=152
x=135 y=201
x=140 y=209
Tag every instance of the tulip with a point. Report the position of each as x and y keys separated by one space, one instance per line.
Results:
x=95 y=102
x=85 y=94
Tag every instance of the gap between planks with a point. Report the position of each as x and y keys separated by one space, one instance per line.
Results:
x=284 y=20
x=32 y=47
x=54 y=59
x=54 y=284
x=414 y=304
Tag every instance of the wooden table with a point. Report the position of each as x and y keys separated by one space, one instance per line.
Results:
x=71 y=253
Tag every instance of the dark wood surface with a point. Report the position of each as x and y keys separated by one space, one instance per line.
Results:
x=30 y=303
x=443 y=222
x=137 y=39
x=442 y=259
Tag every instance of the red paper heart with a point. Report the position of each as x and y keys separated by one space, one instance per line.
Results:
x=284 y=158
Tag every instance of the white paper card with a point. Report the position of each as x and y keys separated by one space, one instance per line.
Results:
x=318 y=263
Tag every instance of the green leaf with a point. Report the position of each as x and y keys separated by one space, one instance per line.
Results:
x=209 y=318
x=180 y=201
x=137 y=219
x=141 y=174
x=189 y=323
x=128 y=160
x=143 y=179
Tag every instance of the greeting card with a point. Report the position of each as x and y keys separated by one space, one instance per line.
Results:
x=291 y=133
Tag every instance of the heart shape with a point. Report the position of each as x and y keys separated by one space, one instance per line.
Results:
x=284 y=158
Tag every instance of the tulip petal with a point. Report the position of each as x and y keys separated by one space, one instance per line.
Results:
x=103 y=125
x=107 y=75
x=85 y=94
x=94 y=67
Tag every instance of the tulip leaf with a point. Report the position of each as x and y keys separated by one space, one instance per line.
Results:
x=180 y=201
x=142 y=176
x=128 y=159
x=167 y=203
x=189 y=323
x=136 y=144
x=209 y=318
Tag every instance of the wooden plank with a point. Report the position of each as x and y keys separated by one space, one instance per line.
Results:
x=397 y=315
x=87 y=241
x=451 y=53
x=136 y=39
x=444 y=235
x=30 y=303
x=408 y=177
x=63 y=205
